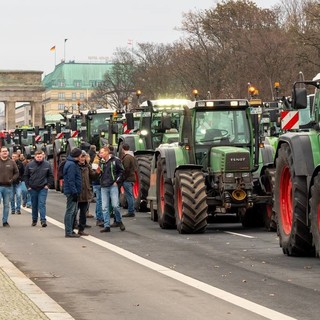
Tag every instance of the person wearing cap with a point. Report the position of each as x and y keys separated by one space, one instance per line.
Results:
x=86 y=194
x=38 y=178
x=72 y=184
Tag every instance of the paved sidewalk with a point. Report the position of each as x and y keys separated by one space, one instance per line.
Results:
x=21 y=299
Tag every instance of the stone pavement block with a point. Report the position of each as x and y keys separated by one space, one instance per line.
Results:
x=21 y=299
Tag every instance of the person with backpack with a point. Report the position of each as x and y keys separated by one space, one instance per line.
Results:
x=72 y=185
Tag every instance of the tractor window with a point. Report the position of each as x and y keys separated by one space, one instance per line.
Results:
x=99 y=124
x=221 y=127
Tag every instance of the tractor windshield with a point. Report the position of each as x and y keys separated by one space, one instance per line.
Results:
x=99 y=123
x=165 y=124
x=221 y=127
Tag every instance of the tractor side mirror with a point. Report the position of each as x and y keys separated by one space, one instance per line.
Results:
x=130 y=120
x=299 y=98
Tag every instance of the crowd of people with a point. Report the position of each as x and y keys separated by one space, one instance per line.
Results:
x=26 y=182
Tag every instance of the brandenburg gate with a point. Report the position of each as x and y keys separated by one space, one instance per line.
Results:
x=21 y=86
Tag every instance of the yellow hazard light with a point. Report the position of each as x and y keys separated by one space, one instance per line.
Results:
x=252 y=89
x=277 y=85
x=115 y=114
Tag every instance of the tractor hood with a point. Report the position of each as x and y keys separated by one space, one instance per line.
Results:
x=229 y=159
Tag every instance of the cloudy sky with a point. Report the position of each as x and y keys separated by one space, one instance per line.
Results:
x=94 y=29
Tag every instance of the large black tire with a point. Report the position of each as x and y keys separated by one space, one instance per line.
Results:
x=190 y=201
x=315 y=213
x=165 y=198
x=143 y=182
x=290 y=204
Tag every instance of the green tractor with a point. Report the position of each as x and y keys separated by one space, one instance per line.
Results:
x=209 y=171
x=159 y=123
x=297 y=178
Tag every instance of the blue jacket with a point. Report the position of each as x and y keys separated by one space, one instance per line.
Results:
x=72 y=181
x=111 y=172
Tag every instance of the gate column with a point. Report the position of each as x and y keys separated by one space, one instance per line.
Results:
x=36 y=108
x=10 y=110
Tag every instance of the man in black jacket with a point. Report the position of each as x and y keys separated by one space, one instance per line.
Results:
x=110 y=171
x=38 y=178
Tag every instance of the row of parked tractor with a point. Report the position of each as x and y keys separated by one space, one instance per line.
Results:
x=257 y=160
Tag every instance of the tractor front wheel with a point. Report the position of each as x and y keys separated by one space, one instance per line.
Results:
x=190 y=201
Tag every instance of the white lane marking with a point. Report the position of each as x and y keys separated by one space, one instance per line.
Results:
x=216 y=292
x=240 y=235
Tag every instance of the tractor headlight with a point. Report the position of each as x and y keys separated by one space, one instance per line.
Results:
x=144 y=132
x=230 y=175
x=245 y=175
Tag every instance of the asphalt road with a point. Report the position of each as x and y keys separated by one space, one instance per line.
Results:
x=150 y=273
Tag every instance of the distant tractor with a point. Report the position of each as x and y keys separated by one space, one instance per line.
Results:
x=159 y=123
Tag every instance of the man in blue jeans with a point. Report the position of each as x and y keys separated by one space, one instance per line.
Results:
x=38 y=177
x=110 y=171
x=8 y=174
x=17 y=186
x=128 y=178
x=72 y=184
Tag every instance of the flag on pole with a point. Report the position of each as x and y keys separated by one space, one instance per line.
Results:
x=53 y=48
x=65 y=40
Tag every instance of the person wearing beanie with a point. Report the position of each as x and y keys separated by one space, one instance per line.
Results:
x=72 y=185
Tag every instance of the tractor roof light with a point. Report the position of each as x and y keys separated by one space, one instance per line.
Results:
x=144 y=132
x=276 y=85
x=195 y=92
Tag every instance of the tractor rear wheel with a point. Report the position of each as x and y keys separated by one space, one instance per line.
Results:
x=290 y=203
x=190 y=201
x=315 y=213
x=143 y=182
x=165 y=199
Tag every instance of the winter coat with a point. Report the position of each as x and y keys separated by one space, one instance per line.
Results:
x=86 y=175
x=8 y=172
x=38 y=174
x=111 y=171
x=72 y=181
x=129 y=165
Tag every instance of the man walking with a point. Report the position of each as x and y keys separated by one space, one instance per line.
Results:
x=72 y=184
x=111 y=171
x=17 y=186
x=8 y=174
x=128 y=178
x=38 y=178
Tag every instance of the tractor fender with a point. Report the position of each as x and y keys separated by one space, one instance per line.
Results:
x=72 y=143
x=301 y=148
x=57 y=146
x=267 y=154
x=27 y=150
x=129 y=139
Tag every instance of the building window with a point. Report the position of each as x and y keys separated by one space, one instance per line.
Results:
x=77 y=83
x=61 y=83
x=74 y=107
x=74 y=95
x=61 y=106
x=61 y=96
x=81 y=95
